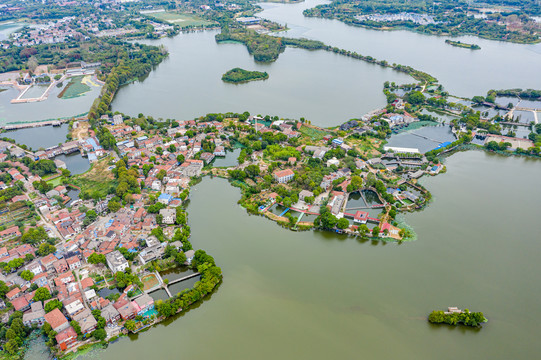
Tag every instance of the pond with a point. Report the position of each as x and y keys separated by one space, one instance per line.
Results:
x=50 y=109
x=423 y=139
x=39 y=137
x=76 y=163
x=524 y=117
x=355 y=200
x=371 y=197
x=230 y=159
x=176 y=273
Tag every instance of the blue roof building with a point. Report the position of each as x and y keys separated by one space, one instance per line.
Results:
x=165 y=198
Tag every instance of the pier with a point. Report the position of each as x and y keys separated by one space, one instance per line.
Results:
x=19 y=99
x=427 y=138
x=184 y=278
x=34 y=124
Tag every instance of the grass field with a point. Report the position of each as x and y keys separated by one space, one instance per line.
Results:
x=75 y=88
x=368 y=147
x=315 y=134
x=182 y=20
x=55 y=182
x=96 y=180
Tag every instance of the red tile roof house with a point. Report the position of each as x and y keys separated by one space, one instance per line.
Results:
x=13 y=294
x=61 y=266
x=74 y=262
x=48 y=261
x=126 y=309
x=20 y=304
x=66 y=338
x=57 y=320
x=64 y=278
x=87 y=283
x=10 y=233
x=283 y=176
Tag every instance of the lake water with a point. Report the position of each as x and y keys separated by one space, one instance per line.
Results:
x=314 y=295
x=301 y=83
x=8 y=28
x=462 y=72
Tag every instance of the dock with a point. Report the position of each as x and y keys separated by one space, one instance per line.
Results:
x=166 y=286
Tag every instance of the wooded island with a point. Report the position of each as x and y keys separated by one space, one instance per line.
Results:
x=238 y=75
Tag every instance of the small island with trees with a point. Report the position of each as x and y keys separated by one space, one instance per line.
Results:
x=238 y=76
x=463 y=45
x=455 y=316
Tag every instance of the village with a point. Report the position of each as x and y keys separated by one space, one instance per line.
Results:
x=57 y=265
x=84 y=268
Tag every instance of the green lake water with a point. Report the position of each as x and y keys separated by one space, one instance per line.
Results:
x=315 y=295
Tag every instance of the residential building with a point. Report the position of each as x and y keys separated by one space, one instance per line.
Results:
x=35 y=316
x=283 y=176
x=74 y=262
x=57 y=320
x=116 y=261
x=86 y=321
x=169 y=216
x=110 y=314
x=143 y=304
x=66 y=338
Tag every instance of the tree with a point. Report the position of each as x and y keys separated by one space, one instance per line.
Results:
x=46 y=249
x=12 y=346
x=32 y=63
x=252 y=171
x=363 y=230
x=96 y=258
x=100 y=334
x=180 y=217
x=113 y=206
x=375 y=231
x=27 y=275
x=53 y=304
x=180 y=258
x=130 y=325
x=326 y=220
x=415 y=97
x=161 y=174
x=4 y=289
x=436 y=317
x=75 y=325
x=42 y=294
x=343 y=223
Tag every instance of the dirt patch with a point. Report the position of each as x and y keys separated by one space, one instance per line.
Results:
x=149 y=281
x=81 y=132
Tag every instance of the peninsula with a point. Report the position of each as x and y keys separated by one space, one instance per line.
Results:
x=238 y=76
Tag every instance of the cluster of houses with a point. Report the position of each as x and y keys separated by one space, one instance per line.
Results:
x=57 y=31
